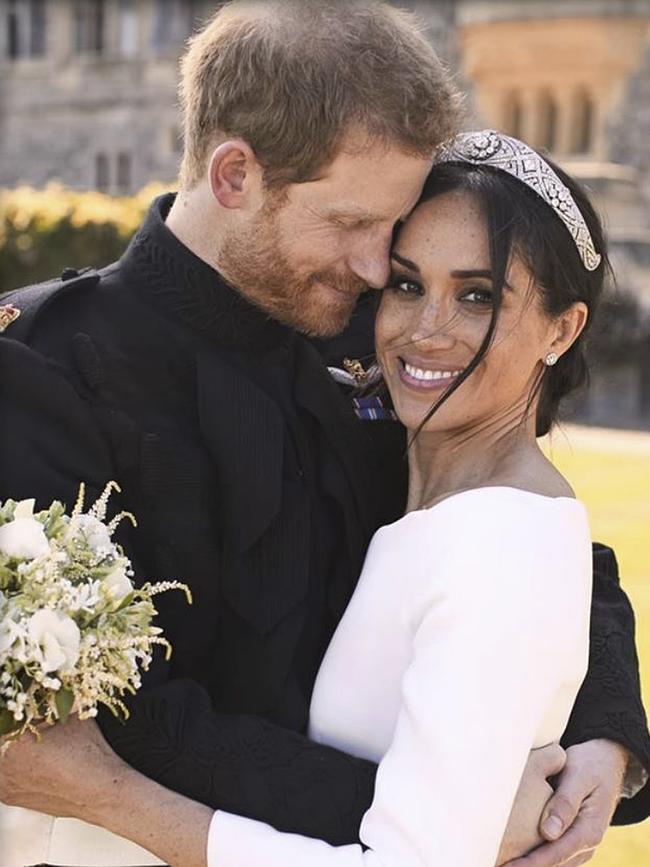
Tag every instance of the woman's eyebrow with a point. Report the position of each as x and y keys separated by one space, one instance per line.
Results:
x=480 y=272
x=405 y=262
x=476 y=273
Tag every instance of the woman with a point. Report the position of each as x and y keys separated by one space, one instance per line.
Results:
x=454 y=658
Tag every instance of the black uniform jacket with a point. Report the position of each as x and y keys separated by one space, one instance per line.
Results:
x=253 y=481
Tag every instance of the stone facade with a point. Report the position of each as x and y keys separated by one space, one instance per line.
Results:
x=88 y=87
x=95 y=106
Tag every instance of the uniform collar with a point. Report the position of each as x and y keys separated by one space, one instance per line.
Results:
x=173 y=276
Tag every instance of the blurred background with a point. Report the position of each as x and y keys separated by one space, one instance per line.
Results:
x=89 y=133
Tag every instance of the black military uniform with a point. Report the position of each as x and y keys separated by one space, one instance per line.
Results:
x=253 y=481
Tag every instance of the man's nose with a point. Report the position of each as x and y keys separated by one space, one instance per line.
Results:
x=370 y=260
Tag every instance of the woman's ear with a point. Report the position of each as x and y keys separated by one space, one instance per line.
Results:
x=568 y=327
x=234 y=173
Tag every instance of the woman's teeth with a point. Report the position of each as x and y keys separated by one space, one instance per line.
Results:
x=424 y=375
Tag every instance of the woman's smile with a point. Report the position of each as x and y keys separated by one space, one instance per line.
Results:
x=426 y=377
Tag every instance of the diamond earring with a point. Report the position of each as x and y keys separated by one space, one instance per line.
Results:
x=550 y=359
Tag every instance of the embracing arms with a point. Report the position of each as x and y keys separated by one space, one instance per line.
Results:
x=50 y=441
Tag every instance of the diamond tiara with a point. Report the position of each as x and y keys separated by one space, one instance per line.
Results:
x=491 y=148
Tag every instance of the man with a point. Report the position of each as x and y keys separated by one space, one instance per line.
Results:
x=309 y=130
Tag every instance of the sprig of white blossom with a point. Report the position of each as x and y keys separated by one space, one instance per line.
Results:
x=75 y=632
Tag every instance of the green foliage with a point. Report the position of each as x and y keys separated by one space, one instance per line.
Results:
x=7 y=722
x=64 y=700
x=44 y=231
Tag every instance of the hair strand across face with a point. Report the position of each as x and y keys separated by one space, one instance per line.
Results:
x=520 y=223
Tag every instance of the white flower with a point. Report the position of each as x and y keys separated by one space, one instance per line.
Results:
x=84 y=598
x=57 y=638
x=12 y=636
x=117 y=585
x=94 y=533
x=23 y=538
x=24 y=509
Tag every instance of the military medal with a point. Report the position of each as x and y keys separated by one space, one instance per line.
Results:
x=355 y=369
x=8 y=314
x=354 y=374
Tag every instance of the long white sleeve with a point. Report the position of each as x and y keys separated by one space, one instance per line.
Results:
x=497 y=605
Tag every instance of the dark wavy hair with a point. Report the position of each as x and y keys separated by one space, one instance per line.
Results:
x=520 y=222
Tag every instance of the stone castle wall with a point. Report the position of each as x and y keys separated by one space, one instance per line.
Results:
x=62 y=112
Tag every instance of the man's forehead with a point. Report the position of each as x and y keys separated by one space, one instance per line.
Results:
x=366 y=192
x=363 y=164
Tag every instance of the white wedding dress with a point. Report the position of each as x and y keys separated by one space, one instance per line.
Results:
x=28 y=838
x=463 y=648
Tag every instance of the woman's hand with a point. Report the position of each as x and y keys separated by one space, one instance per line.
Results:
x=72 y=771
x=522 y=833
x=67 y=770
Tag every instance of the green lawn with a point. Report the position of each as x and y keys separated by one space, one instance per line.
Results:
x=610 y=472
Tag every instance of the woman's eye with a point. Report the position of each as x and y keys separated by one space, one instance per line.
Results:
x=407 y=287
x=478 y=296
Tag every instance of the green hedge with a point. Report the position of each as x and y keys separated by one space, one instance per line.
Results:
x=44 y=231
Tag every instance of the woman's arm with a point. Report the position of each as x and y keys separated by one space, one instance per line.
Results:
x=474 y=696
x=173 y=827
x=485 y=683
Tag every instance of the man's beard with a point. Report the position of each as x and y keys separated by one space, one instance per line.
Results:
x=258 y=265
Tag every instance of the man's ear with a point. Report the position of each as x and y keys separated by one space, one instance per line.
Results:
x=234 y=174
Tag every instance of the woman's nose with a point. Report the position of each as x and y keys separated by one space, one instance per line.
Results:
x=435 y=329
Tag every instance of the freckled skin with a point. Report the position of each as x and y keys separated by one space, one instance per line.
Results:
x=442 y=327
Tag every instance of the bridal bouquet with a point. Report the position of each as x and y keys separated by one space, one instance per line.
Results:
x=74 y=631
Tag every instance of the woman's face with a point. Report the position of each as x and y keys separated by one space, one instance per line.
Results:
x=436 y=311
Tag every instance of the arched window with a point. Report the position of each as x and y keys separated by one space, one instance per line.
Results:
x=512 y=122
x=583 y=123
x=547 y=128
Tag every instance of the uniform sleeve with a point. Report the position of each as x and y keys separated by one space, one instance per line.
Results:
x=484 y=684
x=50 y=441
x=609 y=703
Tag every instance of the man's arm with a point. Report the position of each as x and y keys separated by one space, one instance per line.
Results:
x=609 y=705
x=242 y=763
